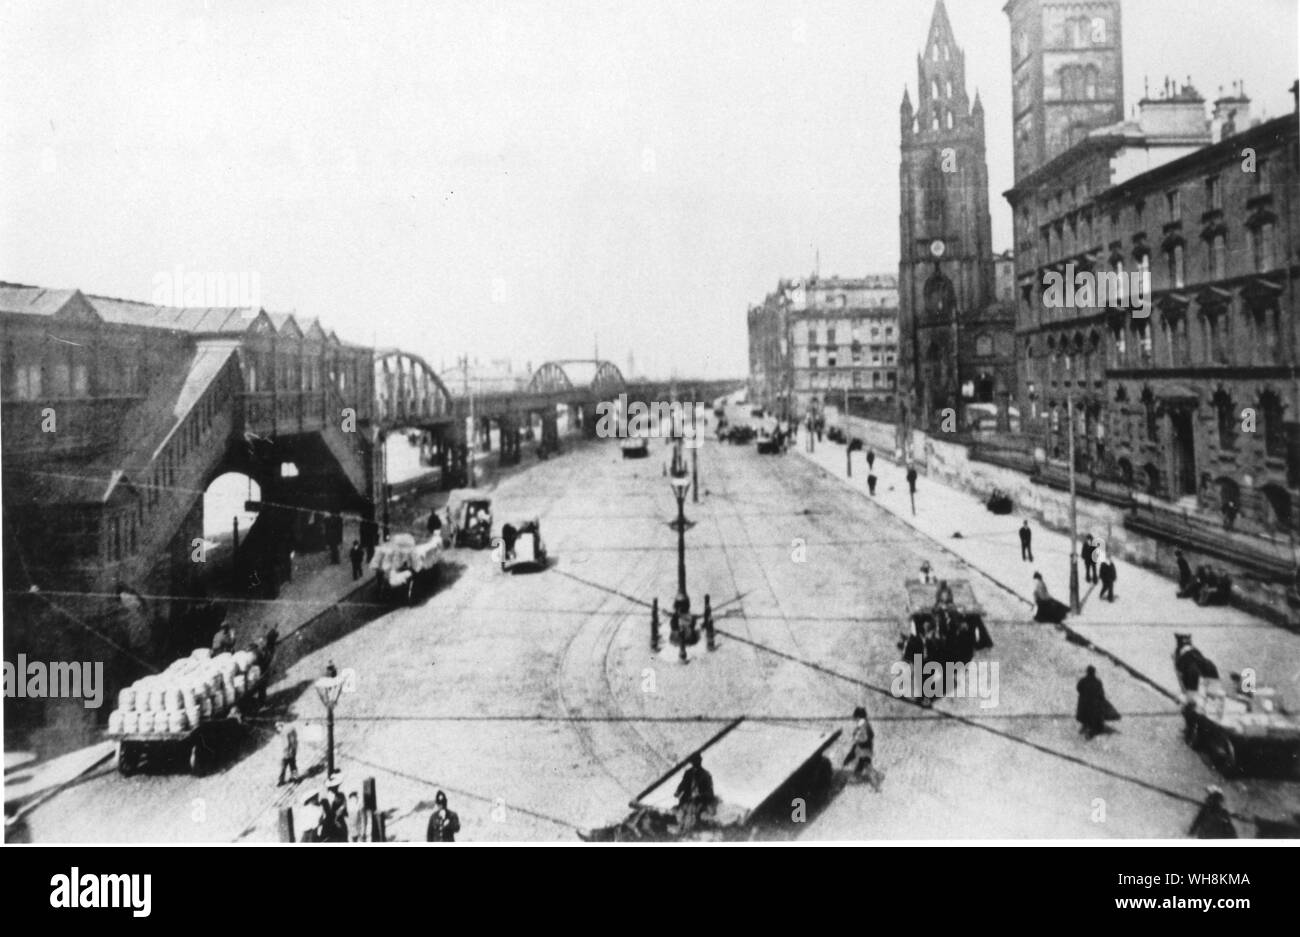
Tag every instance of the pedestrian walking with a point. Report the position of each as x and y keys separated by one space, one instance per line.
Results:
x=911 y=479
x=1026 y=543
x=357 y=556
x=1106 y=573
x=1213 y=820
x=862 y=750
x=1186 y=581
x=871 y=459
x=444 y=823
x=288 y=752
x=1089 y=554
x=871 y=484
x=1048 y=610
x=434 y=524
x=1093 y=710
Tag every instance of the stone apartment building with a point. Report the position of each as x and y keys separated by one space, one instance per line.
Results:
x=1192 y=401
x=825 y=341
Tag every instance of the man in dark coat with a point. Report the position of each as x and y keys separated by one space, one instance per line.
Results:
x=1106 y=573
x=1091 y=711
x=1089 y=555
x=357 y=556
x=444 y=824
x=1026 y=539
x=1186 y=581
x=369 y=537
x=1213 y=820
x=694 y=793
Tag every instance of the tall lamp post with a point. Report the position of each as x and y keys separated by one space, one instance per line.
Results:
x=680 y=481
x=1074 y=520
x=329 y=689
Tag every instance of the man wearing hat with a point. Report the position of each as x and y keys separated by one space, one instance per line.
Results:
x=1213 y=821
x=444 y=823
x=862 y=749
x=694 y=793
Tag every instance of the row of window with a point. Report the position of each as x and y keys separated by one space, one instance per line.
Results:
x=1215 y=336
x=1141 y=421
x=1079 y=222
x=859 y=333
x=833 y=360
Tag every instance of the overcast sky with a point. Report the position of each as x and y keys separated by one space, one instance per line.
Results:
x=518 y=179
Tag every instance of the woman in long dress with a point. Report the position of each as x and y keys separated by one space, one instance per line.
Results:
x=1049 y=610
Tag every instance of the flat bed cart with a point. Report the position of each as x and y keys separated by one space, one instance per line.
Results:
x=757 y=769
x=198 y=746
x=1245 y=732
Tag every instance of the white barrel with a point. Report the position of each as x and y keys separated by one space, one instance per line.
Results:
x=126 y=699
x=193 y=715
x=115 y=721
x=131 y=722
x=189 y=696
x=173 y=699
x=156 y=699
x=205 y=707
x=240 y=684
x=176 y=721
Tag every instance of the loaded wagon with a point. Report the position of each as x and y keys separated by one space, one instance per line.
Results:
x=406 y=569
x=757 y=770
x=189 y=713
x=1243 y=732
x=945 y=623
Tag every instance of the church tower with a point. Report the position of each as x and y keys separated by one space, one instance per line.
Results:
x=1067 y=71
x=945 y=275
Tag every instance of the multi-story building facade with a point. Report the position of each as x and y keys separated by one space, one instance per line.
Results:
x=1182 y=378
x=819 y=341
x=957 y=345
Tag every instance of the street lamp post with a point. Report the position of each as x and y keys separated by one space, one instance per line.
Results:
x=1074 y=524
x=679 y=481
x=696 y=440
x=329 y=689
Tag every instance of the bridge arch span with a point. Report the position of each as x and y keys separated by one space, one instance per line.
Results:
x=601 y=379
x=408 y=391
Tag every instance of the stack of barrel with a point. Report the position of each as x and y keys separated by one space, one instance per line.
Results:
x=192 y=690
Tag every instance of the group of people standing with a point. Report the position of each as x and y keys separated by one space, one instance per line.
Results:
x=1098 y=567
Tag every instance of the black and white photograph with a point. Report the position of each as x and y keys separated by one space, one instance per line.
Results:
x=687 y=422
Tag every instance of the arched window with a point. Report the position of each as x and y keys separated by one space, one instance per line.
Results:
x=1271 y=411
x=1227 y=419
x=949 y=120
x=934 y=88
x=1090 y=75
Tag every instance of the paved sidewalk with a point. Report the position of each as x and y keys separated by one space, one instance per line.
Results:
x=1136 y=630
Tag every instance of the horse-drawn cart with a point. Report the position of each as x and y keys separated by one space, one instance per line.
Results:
x=404 y=568
x=757 y=770
x=190 y=713
x=1247 y=729
x=945 y=622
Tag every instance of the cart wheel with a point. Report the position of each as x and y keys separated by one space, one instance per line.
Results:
x=125 y=760
x=1223 y=754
